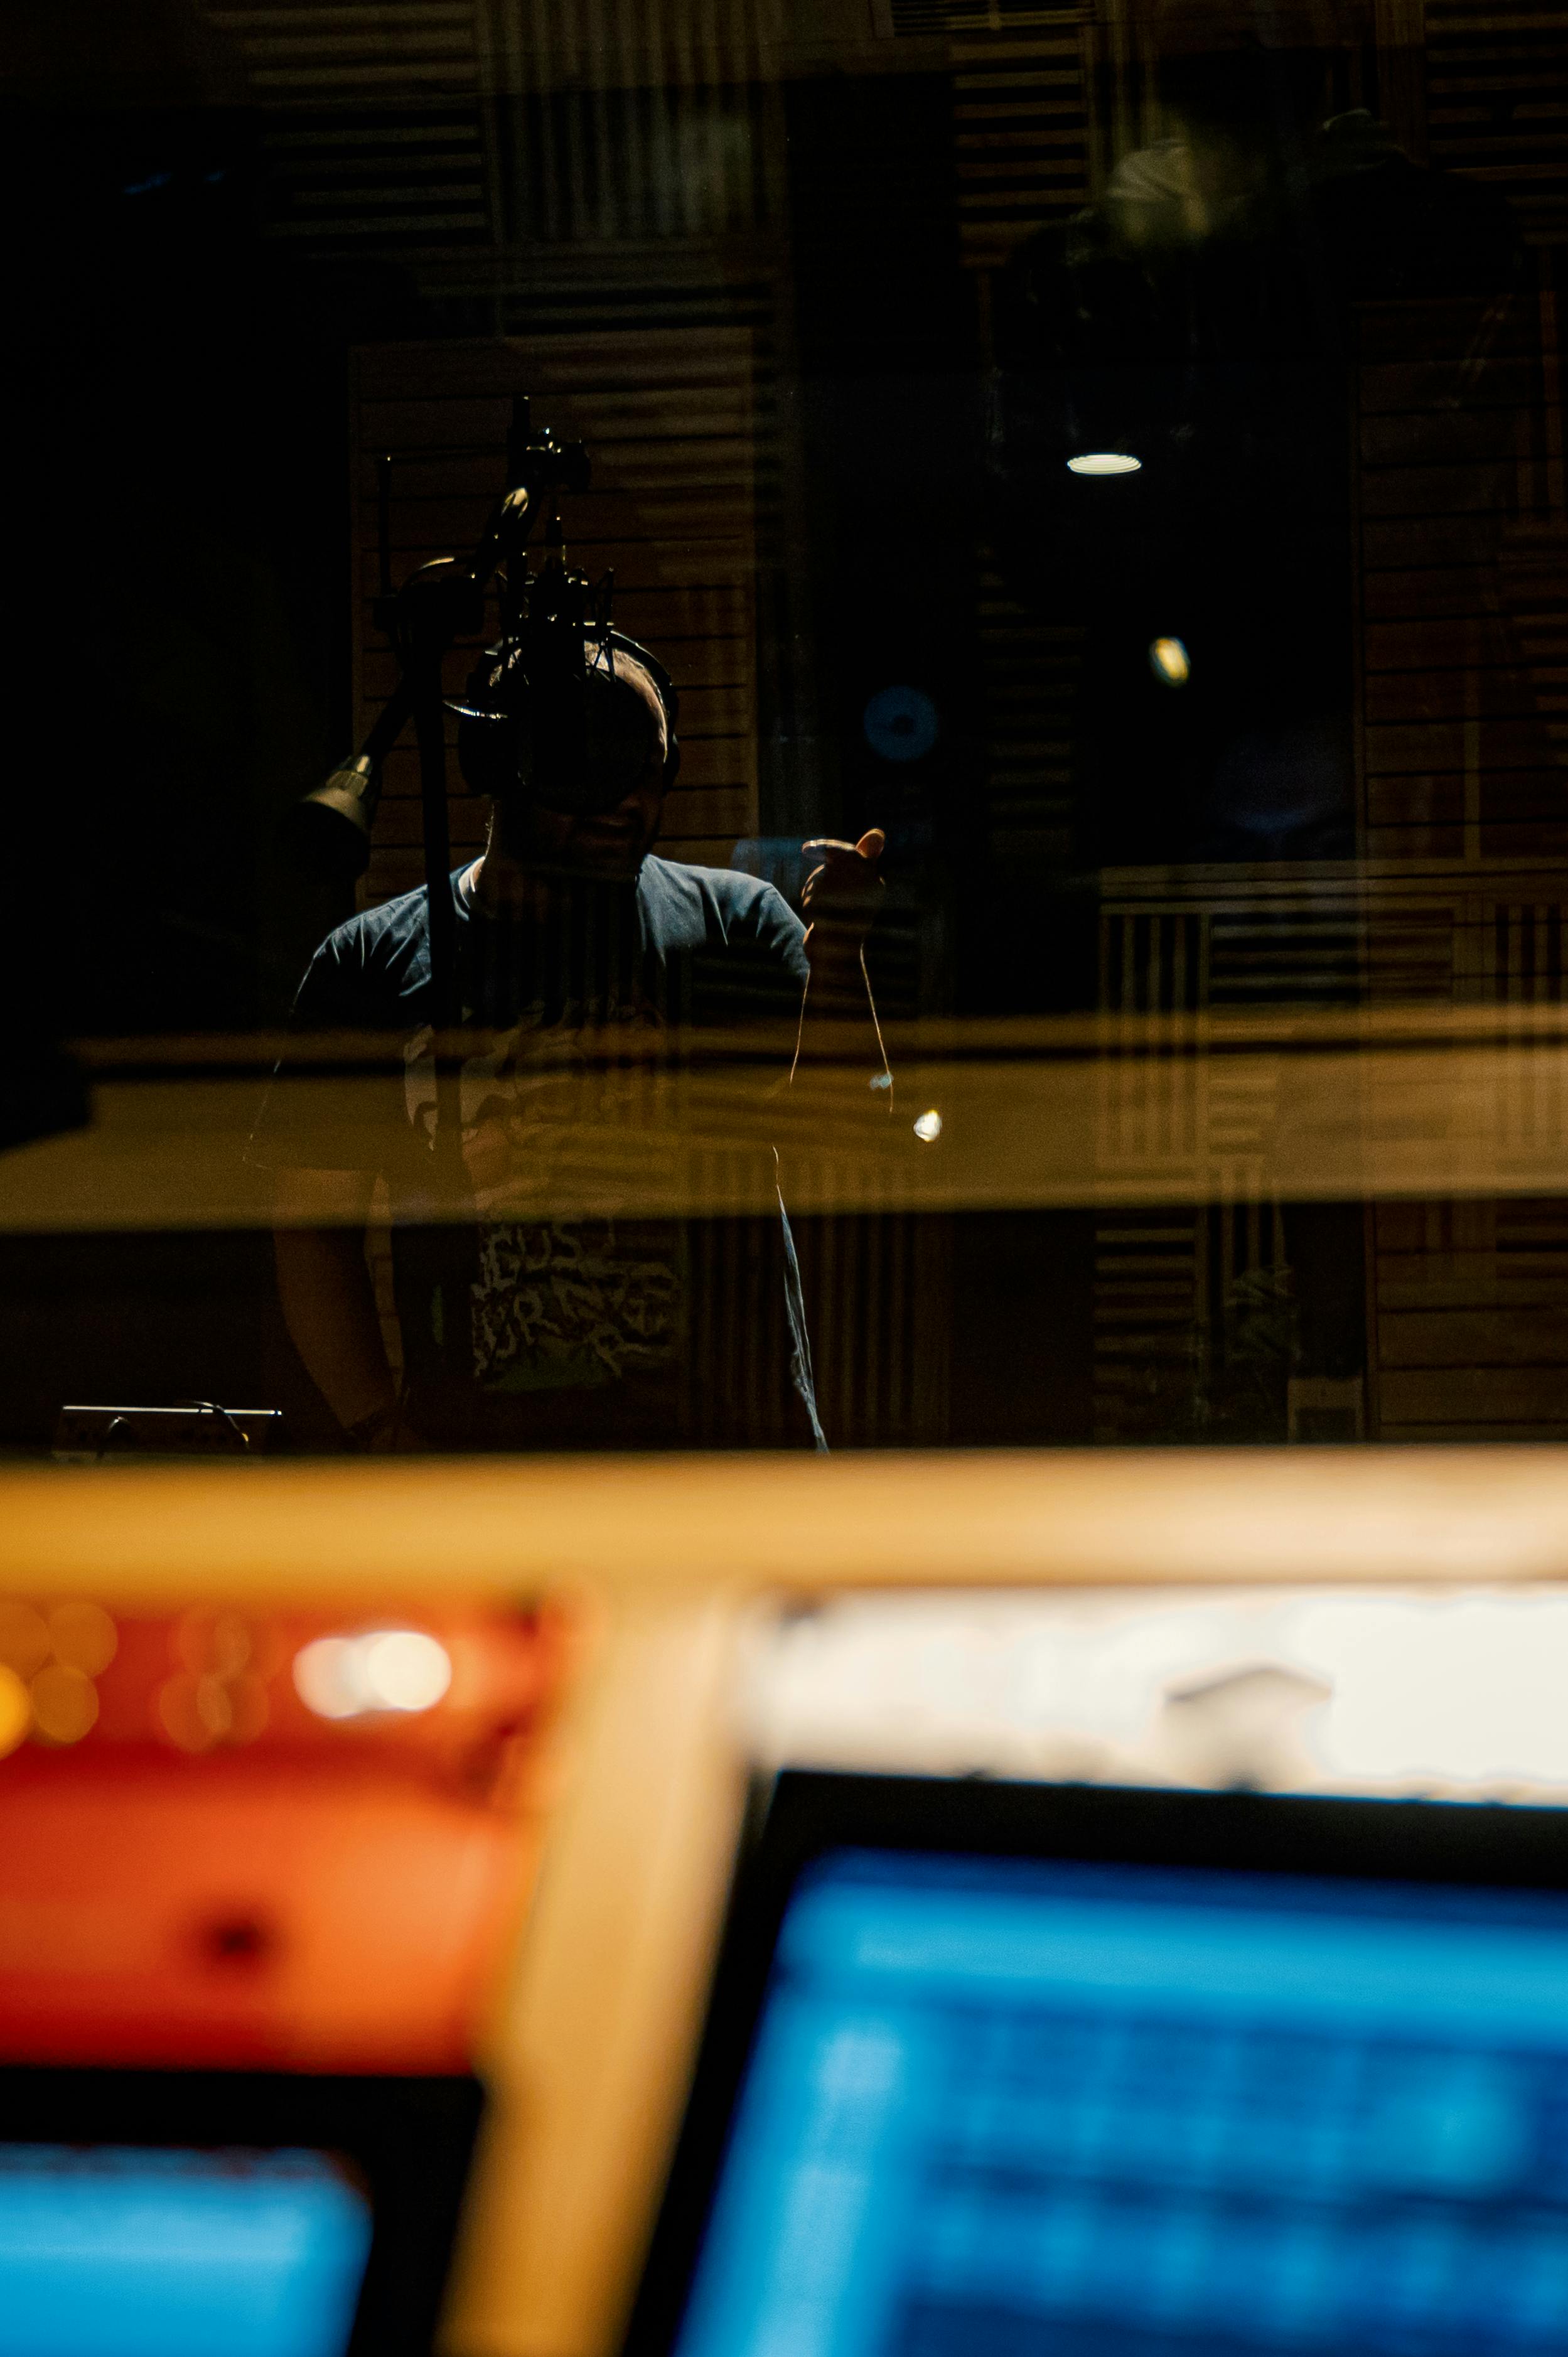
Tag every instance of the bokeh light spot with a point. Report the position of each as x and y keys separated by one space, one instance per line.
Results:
x=324 y=1678
x=193 y=1711
x=405 y=1669
x=378 y=1670
x=901 y=724
x=84 y=1637
x=15 y=1710
x=1170 y=662
x=247 y=1709
x=24 y=1637
x=213 y=1644
x=65 y=1703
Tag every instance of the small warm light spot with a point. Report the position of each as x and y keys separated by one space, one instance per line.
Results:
x=929 y=1126
x=1104 y=462
x=24 y=1637
x=212 y=1707
x=380 y=1669
x=179 y=1715
x=84 y=1637
x=65 y=1703
x=195 y=1712
x=248 y=1710
x=15 y=1710
x=1169 y=661
x=213 y=1644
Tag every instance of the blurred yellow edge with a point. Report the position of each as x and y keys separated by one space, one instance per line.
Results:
x=589 y=2042
x=402 y=1529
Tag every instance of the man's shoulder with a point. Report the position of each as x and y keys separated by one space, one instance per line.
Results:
x=369 y=968
x=702 y=906
x=374 y=934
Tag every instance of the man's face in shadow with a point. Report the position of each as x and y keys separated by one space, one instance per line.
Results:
x=628 y=747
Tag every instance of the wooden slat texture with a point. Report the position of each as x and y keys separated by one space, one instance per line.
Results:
x=1022 y=79
x=1497 y=102
x=600 y=46
x=1473 y=1339
x=1472 y=1320
x=1471 y=1401
x=670 y=422
x=1458 y=755
x=1029 y=678
x=371 y=125
x=1464 y=586
x=1150 y=1341
x=1021 y=125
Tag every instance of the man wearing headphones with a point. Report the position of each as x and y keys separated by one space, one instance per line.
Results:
x=606 y=1330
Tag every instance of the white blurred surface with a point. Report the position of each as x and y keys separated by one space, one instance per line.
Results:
x=1461 y=1693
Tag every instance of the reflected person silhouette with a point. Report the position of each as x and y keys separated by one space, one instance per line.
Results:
x=599 y=1327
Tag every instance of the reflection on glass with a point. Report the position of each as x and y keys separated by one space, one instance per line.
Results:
x=1114 y=466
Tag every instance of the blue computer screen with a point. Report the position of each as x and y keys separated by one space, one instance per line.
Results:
x=115 y=2252
x=999 y=2109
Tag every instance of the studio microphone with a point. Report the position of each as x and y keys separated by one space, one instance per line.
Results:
x=327 y=833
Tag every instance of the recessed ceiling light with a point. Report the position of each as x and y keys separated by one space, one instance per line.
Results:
x=1104 y=462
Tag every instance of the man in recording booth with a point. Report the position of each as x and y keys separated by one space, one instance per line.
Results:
x=546 y=1332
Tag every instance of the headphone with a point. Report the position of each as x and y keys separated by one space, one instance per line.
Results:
x=495 y=710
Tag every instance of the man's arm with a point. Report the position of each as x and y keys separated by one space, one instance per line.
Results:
x=324 y=1284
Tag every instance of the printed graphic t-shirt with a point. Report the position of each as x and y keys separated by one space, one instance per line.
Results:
x=609 y=1329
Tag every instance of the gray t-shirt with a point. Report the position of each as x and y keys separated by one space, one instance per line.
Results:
x=614 y=1330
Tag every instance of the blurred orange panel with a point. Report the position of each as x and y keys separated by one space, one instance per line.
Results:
x=196 y=1867
x=243 y=1917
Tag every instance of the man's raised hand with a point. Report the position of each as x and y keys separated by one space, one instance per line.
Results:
x=842 y=893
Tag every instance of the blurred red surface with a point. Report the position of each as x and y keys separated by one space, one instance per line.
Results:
x=212 y=1874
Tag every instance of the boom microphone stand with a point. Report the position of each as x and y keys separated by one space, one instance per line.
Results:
x=329 y=831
